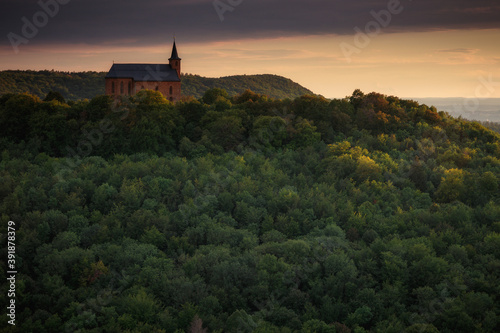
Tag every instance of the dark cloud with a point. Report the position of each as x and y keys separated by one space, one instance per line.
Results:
x=143 y=22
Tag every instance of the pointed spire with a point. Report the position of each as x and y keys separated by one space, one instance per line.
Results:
x=174 y=55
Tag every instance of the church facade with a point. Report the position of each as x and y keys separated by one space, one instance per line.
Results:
x=128 y=79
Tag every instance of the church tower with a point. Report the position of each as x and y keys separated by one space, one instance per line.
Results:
x=175 y=61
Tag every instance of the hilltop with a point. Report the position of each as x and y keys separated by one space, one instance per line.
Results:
x=86 y=85
x=274 y=86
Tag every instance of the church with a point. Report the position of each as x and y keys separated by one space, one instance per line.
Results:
x=128 y=79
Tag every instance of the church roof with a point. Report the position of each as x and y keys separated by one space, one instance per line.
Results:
x=144 y=72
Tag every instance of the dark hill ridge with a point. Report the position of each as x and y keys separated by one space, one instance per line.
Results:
x=81 y=85
x=274 y=86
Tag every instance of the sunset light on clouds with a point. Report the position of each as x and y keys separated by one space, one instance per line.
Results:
x=406 y=48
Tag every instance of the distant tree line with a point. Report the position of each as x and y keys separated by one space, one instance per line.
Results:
x=86 y=85
x=494 y=126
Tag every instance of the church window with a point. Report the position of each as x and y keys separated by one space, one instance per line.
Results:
x=121 y=88
x=156 y=88
x=171 y=90
x=130 y=88
x=113 y=87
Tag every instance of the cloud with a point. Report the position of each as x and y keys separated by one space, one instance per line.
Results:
x=459 y=50
x=149 y=22
x=479 y=10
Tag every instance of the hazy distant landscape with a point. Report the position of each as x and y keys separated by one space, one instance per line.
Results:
x=483 y=109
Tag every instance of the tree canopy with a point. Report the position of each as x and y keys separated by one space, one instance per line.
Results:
x=249 y=214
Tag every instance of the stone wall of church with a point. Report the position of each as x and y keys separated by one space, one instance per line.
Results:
x=171 y=90
x=119 y=87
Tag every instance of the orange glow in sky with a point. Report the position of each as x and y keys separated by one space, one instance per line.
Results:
x=419 y=64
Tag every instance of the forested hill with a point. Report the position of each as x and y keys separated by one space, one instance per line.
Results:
x=271 y=85
x=81 y=85
x=247 y=214
x=73 y=86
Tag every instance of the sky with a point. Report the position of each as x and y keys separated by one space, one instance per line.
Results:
x=408 y=48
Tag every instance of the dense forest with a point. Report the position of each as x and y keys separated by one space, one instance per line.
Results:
x=86 y=85
x=249 y=214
